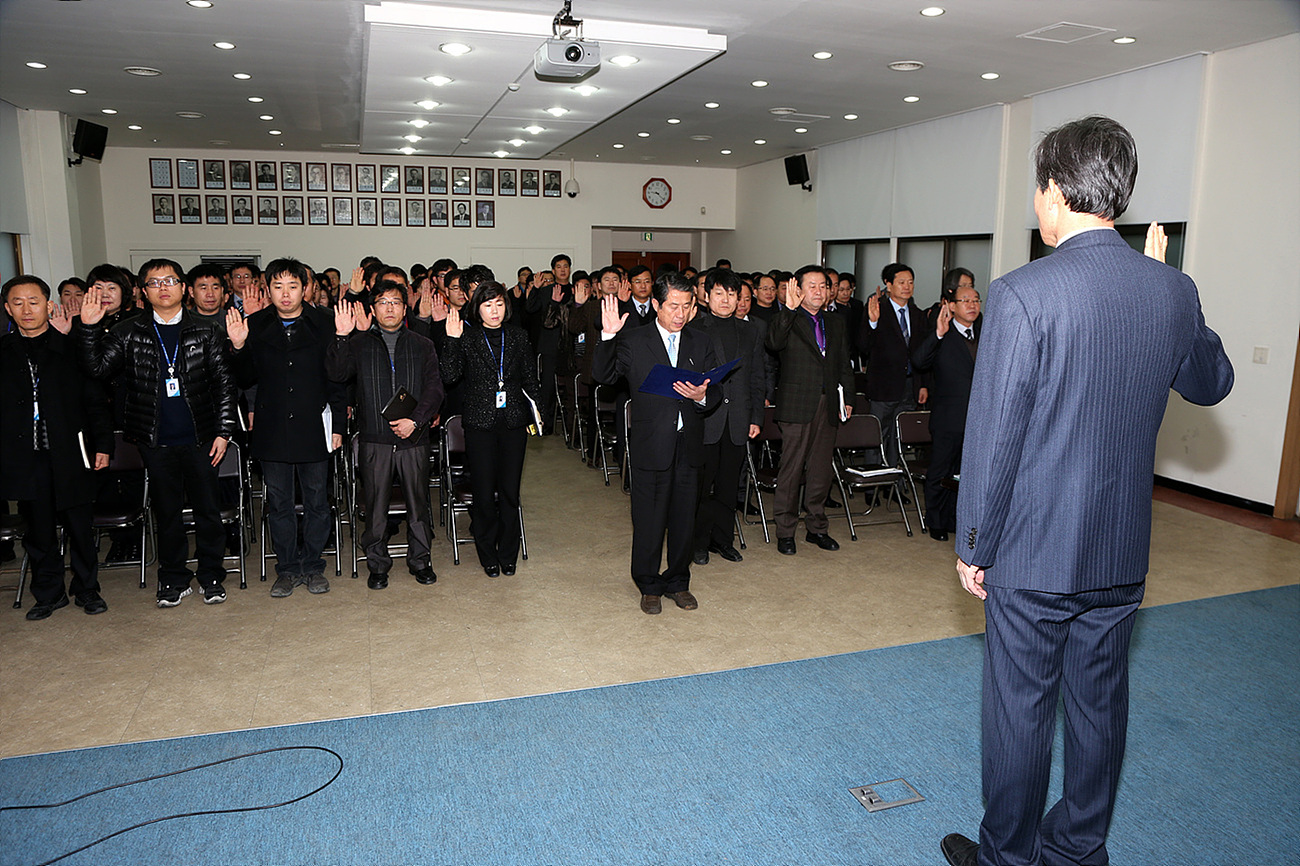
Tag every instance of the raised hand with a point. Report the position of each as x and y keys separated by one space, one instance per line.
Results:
x=557 y=292
x=92 y=306
x=236 y=330
x=358 y=281
x=344 y=320
x=455 y=327
x=610 y=320
x=361 y=316
x=73 y=305
x=873 y=306
x=581 y=291
x=945 y=318
x=425 y=308
x=1156 y=242
x=624 y=289
x=439 y=307
x=254 y=300
x=793 y=294
x=61 y=321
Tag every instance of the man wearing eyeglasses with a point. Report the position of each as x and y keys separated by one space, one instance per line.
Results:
x=179 y=410
x=243 y=281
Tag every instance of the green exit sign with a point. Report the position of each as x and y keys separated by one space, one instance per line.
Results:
x=647 y=236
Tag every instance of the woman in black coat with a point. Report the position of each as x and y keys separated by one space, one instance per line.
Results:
x=493 y=364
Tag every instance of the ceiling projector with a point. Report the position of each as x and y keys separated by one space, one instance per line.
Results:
x=566 y=59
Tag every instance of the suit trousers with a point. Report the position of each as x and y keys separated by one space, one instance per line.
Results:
x=887 y=411
x=180 y=474
x=945 y=461
x=294 y=558
x=380 y=467
x=719 y=478
x=495 y=459
x=806 y=452
x=1040 y=646
x=663 y=501
x=41 y=541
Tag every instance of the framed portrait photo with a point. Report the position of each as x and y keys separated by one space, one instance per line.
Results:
x=438 y=212
x=391 y=208
x=437 y=180
x=190 y=210
x=318 y=211
x=291 y=176
x=268 y=210
x=366 y=178
x=390 y=179
x=341 y=177
x=266 y=175
x=485 y=214
x=316 y=177
x=342 y=210
x=187 y=173
x=506 y=181
x=241 y=209
x=241 y=174
x=460 y=215
x=164 y=208
x=214 y=210
x=368 y=211
x=293 y=215
x=160 y=173
x=214 y=174
x=414 y=180
x=529 y=182
x=415 y=212
x=551 y=184
x=460 y=181
x=484 y=181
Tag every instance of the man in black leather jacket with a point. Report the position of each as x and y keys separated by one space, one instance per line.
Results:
x=179 y=409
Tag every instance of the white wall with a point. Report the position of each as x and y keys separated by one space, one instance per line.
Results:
x=776 y=224
x=1242 y=238
x=529 y=230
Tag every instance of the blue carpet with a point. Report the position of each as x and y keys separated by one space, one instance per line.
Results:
x=748 y=766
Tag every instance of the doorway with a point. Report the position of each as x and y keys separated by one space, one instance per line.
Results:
x=651 y=259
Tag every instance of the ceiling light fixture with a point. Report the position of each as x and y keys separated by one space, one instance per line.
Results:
x=643 y=135
x=585 y=89
x=77 y=90
x=911 y=99
x=135 y=127
x=256 y=99
x=906 y=65
x=419 y=123
x=701 y=138
x=108 y=111
x=142 y=71
x=781 y=112
x=439 y=80
x=932 y=11
x=219 y=142
x=224 y=46
x=500 y=154
x=266 y=117
x=275 y=132
x=1120 y=40
x=800 y=130
x=242 y=76
x=759 y=83
x=428 y=104
x=760 y=141
x=618 y=146
x=990 y=76
x=516 y=142
x=35 y=65
x=710 y=105
x=190 y=115
x=455 y=49
x=674 y=120
x=406 y=150
x=534 y=129
x=199 y=4
x=624 y=60
x=557 y=111
x=725 y=152
x=412 y=138
x=850 y=117
x=823 y=55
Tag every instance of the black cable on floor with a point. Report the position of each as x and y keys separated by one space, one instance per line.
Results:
x=337 y=772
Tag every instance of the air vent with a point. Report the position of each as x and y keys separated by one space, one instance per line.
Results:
x=802 y=118
x=1065 y=33
x=781 y=112
x=339 y=145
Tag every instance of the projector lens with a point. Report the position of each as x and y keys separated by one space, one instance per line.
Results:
x=573 y=53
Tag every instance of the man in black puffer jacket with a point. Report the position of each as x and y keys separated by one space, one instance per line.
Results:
x=381 y=360
x=179 y=409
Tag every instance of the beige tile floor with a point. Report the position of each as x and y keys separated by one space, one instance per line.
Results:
x=568 y=620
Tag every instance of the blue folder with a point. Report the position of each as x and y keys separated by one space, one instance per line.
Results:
x=661 y=378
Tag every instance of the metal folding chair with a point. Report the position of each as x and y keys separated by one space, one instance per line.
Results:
x=857 y=442
x=232 y=466
x=761 y=476
x=460 y=496
x=913 y=431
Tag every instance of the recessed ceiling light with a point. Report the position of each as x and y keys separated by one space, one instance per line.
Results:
x=500 y=154
x=406 y=150
x=585 y=89
x=701 y=138
x=108 y=111
x=989 y=76
x=759 y=83
x=782 y=111
x=516 y=142
x=557 y=111
x=35 y=65
x=428 y=104
x=224 y=46
x=77 y=90
x=199 y=4
x=906 y=65
x=256 y=99
x=135 y=126
x=142 y=71
x=618 y=146
x=412 y=138
x=274 y=132
x=190 y=115
x=1121 y=40
x=725 y=152
x=760 y=141
x=439 y=80
x=419 y=123
x=455 y=49
x=266 y=117
x=643 y=135
x=801 y=129
x=932 y=11
x=674 y=120
x=823 y=55
x=242 y=76
x=911 y=99
x=534 y=129
x=850 y=117
x=624 y=60
x=710 y=105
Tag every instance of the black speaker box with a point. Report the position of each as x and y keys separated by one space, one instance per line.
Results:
x=796 y=170
x=88 y=140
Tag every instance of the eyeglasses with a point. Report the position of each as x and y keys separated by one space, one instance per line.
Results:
x=390 y=302
x=158 y=284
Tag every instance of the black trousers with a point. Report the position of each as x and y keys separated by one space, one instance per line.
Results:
x=178 y=473
x=495 y=459
x=945 y=461
x=719 y=477
x=663 y=501
x=41 y=541
x=380 y=466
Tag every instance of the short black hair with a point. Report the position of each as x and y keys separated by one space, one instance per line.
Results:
x=579 y=277
x=674 y=282
x=486 y=291
x=287 y=267
x=852 y=280
x=388 y=271
x=72 y=281
x=892 y=270
x=722 y=263
x=111 y=274
x=24 y=280
x=560 y=257
x=809 y=269
x=252 y=268
x=1094 y=163
x=368 y=261
x=950 y=281
x=442 y=266
x=207 y=269
x=476 y=275
x=724 y=278
x=383 y=287
x=637 y=271
x=156 y=265
x=519 y=273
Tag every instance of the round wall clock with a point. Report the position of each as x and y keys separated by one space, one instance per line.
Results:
x=656 y=192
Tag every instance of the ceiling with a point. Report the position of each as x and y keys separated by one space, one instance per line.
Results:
x=327 y=78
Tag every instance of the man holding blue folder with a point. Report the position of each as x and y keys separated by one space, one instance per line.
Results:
x=666 y=434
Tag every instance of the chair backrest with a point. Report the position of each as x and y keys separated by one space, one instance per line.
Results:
x=605 y=395
x=861 y=431
x=126 y=457
x=770 y=432
x=914 y=428
x=580 y=388
x=232 y=464
x=455 y=432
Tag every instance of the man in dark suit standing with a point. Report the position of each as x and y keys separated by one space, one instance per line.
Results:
x=1065 y=407
x=666 y=436
x=948 y=355
x=813 y=352
x=892 y=329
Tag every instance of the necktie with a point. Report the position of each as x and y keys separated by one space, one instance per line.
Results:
x=672 y=349
x=640 y=309
x=902 y=323
x=819 y=330
x=969 y=333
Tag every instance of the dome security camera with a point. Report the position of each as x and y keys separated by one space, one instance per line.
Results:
x=571 y=189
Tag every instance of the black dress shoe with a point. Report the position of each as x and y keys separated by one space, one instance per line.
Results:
x=938 y=534
x=822 y=540
x=508 y=570
x=43 y=611
x=377 y=580
x=91 y=603
x=492 y=570
x=831 y=503
x=726 y=551
x=425 y=576
x=700 y=557
x=650 y=604
x=959 y=851
x=785 y=545
x=684 y=599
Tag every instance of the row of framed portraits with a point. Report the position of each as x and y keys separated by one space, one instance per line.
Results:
x=237 y=174
x=320 y=210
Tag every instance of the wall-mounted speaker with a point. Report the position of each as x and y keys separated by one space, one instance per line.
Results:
x=796 y=171
x=88 y=141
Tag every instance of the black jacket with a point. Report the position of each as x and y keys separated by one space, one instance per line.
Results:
x=471 y=362
x=950 y=362
x=131 y=352
x=363 y=356
x=745 y=387
x=71 y=403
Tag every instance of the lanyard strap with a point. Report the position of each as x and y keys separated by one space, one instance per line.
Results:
x=501 y=361
x=170 y=361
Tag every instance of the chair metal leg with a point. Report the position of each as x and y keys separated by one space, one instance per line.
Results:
x=523 y=536
x=740 y=532
x=22 y=581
